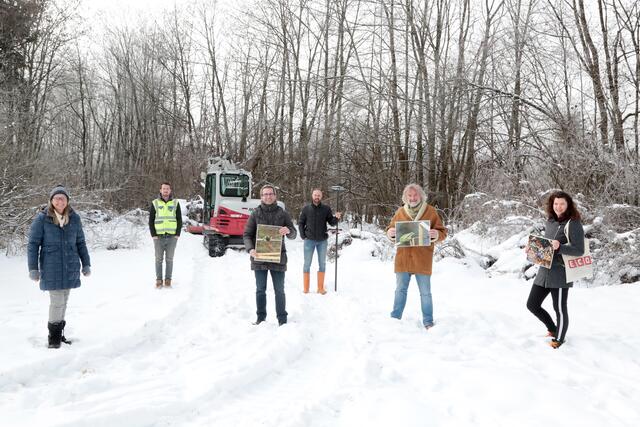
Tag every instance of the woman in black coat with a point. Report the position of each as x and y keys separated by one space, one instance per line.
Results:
x=560 y=211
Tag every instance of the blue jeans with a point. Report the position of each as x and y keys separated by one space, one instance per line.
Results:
x=309 y=247
x=424 y=285
x=277 y=277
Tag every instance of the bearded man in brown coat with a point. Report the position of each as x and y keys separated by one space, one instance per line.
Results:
x=415 y=260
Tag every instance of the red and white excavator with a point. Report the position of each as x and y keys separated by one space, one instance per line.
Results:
x=227 y=206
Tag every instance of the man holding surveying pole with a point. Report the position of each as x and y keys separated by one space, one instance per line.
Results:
x=313 y=229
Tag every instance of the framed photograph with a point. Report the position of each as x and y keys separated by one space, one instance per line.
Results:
x=540 y=251
x=268 y=243
x=413 y=233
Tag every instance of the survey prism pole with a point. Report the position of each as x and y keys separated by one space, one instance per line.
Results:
x=338 y=189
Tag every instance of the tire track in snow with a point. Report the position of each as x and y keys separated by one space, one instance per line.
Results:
x=340 y=361
x=202 y=355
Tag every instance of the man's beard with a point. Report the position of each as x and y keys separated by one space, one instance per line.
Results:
x=414 y=204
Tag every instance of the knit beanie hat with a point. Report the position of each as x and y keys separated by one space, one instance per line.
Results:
x=59 y=189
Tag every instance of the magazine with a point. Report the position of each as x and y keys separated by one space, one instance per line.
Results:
x=540 y=251
x=413 y=233
x=268 y=243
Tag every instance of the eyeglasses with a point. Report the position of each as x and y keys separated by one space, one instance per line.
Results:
x=268 y=194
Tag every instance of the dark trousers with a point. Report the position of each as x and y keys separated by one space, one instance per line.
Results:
x=559 y=296
x=277 y=277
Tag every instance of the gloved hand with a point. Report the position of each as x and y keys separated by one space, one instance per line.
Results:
x=86 y=270
x=34 y=275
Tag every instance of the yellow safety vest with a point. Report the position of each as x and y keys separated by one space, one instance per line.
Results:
x=165 y=222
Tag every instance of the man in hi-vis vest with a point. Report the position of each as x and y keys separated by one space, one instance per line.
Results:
x=165 y=222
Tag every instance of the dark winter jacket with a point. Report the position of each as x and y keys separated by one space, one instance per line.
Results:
x=270 y=215
x=57 y=252
x=313 y=221
x=556 y=277
x=152 y=218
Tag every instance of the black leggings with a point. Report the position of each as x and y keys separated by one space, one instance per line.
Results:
x=534 y=304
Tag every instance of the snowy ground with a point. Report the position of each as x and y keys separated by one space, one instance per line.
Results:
x=189 y=356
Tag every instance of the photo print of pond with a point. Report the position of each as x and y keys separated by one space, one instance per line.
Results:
x=268 y=243
x=413 y=233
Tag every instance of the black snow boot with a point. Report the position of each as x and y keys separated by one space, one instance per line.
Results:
x=62 y=338
x=55 y=334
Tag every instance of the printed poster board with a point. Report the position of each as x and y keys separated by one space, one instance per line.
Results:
x=413 y=233
x=540 y=251
x=268 y=243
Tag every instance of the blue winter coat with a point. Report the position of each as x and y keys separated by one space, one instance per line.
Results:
x=57 y=252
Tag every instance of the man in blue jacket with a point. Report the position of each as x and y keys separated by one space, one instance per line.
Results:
x=313 y=230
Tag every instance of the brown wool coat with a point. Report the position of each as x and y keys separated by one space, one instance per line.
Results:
x=417 y=260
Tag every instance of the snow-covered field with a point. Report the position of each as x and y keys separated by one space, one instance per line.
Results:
x=189 y=356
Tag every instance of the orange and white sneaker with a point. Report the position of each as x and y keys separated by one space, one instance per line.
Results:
x=554 y=343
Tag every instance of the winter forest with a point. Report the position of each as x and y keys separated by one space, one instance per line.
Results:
x=501 y=100
x=503 y=97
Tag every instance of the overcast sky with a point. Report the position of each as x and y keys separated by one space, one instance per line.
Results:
x=95 y=7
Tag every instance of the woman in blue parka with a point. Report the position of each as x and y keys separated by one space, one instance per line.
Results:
x=55 y=253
